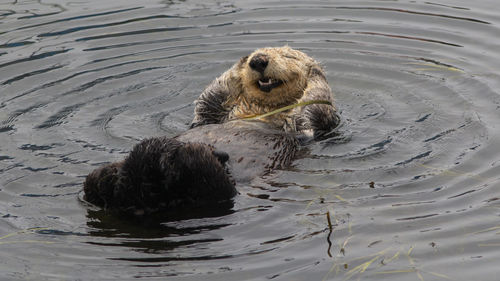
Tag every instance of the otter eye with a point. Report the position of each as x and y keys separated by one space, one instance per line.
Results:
x=243 y=59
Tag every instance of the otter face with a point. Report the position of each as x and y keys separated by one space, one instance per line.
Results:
x=275 y=75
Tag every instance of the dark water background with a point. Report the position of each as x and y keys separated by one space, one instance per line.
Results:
x=411 y=185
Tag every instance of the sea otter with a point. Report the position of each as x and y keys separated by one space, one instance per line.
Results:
x=196 y=169
x=266 y=80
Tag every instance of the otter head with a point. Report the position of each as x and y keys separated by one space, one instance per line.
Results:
x=275 y=76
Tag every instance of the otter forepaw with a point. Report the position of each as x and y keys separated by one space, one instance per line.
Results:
x=323 y=124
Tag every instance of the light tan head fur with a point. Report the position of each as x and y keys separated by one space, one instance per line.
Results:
x=287 y=65
x=266 y=80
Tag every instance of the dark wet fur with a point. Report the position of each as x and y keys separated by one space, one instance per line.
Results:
x=161 y=174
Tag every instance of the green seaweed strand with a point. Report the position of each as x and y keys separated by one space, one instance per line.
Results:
x=292 y=106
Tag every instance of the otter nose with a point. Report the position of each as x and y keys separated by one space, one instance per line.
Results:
x=259 y=62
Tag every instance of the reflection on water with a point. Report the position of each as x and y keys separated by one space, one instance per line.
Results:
x=407 y=191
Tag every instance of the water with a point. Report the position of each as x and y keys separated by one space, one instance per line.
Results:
x=411 y=185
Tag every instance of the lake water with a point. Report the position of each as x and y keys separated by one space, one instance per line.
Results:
x=410 y=185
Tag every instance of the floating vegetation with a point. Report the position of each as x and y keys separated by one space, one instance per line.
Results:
x=434 y=66
x=453 y=173
x=379 y=260
x=285 y=108
x=330 y=228
x=486 y=230
x=22 y=232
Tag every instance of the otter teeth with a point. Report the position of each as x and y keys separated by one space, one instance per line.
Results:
x=266 y=83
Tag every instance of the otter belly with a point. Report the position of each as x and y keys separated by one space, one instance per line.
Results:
x=254 y=148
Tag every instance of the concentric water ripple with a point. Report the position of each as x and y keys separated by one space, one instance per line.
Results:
x=410 y=184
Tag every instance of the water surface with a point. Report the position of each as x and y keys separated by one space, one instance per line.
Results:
x=411 y=184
